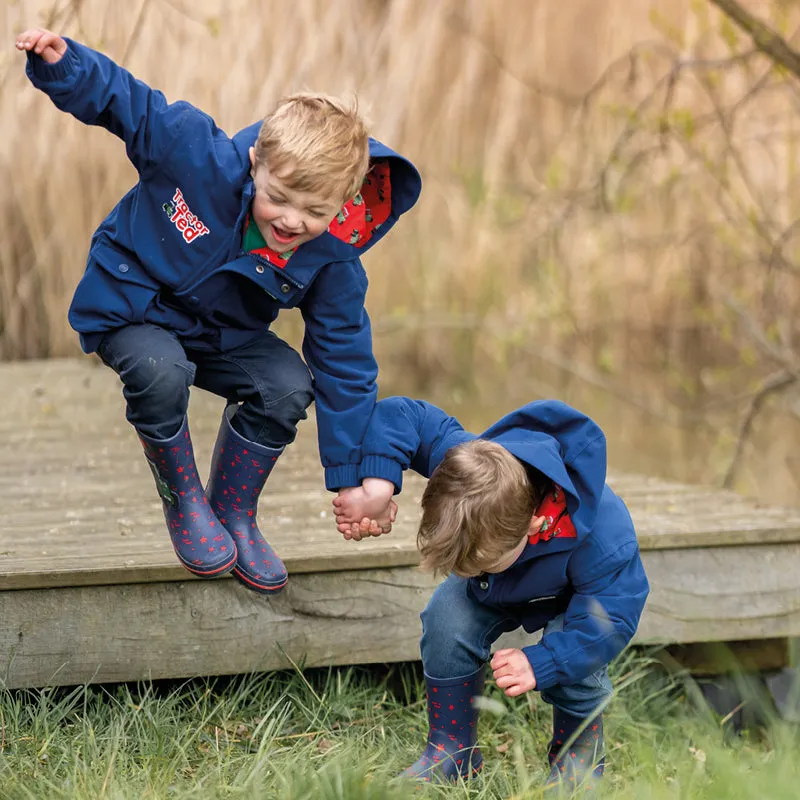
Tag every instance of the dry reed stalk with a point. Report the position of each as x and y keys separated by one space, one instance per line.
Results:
x=490 y=100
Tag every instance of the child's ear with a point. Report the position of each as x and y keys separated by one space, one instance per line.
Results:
x=252 y=152
x=536 y=525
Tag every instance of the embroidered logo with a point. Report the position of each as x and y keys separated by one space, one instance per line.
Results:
x=167 y=495
x=181 y=217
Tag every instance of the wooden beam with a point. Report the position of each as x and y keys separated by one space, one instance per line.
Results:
x=80 y=507
x=180 y=629
x=90 y=589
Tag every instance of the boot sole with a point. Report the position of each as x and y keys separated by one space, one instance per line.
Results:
x=208 y=573
x=261 y=588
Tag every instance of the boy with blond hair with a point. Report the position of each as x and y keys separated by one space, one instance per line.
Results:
x=189 y=270
x=530 y=535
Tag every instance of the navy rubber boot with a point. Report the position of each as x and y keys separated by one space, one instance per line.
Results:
x=239 y=469
x=451 y=752
x=201 y=543
x=582 y=761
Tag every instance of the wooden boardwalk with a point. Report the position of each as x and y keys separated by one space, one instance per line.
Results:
x=90 y=589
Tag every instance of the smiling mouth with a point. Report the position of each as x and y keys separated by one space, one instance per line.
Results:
x=283 y=236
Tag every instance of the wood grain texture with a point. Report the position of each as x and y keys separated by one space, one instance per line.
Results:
x=722 y=594
x=81 y=509
x=184 y=628
x=90 y=589
x=181 y=629
x=100 y=634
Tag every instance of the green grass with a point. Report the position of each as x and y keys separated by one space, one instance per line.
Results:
x=346 y=733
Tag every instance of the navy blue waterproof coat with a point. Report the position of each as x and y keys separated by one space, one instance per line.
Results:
x=170 y=252
x=596 y=578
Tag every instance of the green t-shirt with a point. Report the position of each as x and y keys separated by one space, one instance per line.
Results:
x=253 y=240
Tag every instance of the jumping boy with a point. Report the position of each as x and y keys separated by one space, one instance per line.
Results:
x=188 y=271
x=531 y=536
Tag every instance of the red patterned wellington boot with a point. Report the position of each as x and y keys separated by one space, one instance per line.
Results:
x=239 y=470
x=451 y=751
x=201 y=543
x=575 y=755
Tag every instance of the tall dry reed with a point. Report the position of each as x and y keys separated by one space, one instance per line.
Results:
x=573 y=190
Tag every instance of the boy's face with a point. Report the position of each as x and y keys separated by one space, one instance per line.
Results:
x=287 y=218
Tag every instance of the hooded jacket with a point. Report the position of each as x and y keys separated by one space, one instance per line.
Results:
x=594 y=576
x=170 y=252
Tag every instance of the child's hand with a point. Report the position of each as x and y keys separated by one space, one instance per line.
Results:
x=513 y=672
x=50 y=46
x=361 y=512
x=360 y=530
x=366 y=510
x=348 y=510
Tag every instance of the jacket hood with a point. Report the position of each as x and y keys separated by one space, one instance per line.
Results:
x=406 y=185
x=565 y=445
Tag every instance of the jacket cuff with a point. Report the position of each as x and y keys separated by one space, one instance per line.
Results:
x=381 y=467
x=341 y=476
x=543 y=665
x=40 y=72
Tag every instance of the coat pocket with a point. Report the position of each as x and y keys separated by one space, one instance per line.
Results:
x=114 y=291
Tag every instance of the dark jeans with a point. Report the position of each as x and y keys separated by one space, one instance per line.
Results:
x=266 y=376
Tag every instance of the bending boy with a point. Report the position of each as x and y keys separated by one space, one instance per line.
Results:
x=530 y=535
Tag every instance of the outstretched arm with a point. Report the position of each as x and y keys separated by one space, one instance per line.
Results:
x=402 y=434
x=338 y=349
x=95 y=90
x=408 y=434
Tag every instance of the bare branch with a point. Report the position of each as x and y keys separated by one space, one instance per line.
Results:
x=665 y=82
x=765 y=39
x=782 y=355
x=773 y=384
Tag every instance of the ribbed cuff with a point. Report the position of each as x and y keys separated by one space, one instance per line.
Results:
x=381 y=467
x=543 y=665
x=341 y=476
x=39 y=71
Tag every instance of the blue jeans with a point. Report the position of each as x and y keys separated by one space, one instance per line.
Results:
x=457 y=634
x=269 y=379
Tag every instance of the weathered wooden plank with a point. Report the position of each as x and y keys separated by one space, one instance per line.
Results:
x=181 y=629
x=184 y=628
x=722 y=594
x=150 y=557
x=80 y=508
x=97 y=634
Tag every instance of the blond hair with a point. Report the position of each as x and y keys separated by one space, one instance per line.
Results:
x=476 y=508
x=322 y=143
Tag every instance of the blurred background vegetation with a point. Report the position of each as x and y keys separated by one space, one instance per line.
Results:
x=610 y=211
